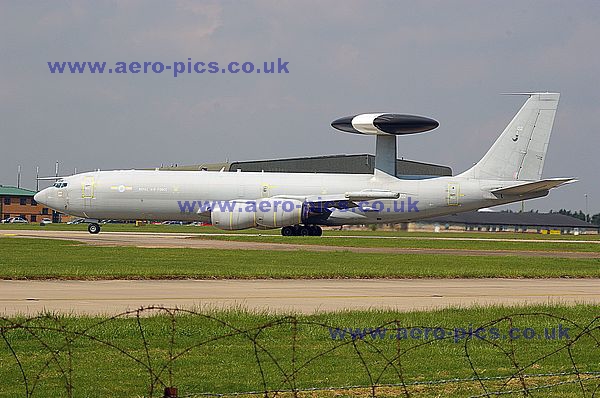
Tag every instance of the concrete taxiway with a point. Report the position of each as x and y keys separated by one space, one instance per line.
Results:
x=113 y=297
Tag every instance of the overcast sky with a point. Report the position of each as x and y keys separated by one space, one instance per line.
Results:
x=448 y=60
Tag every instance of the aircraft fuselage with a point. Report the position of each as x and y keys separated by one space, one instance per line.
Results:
x=179 y=195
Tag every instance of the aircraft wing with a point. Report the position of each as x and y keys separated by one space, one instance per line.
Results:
x=321 y=203
x=345 y=200
x=532 y=187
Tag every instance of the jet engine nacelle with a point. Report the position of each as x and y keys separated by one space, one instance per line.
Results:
x=275 y=213
x=234 y=217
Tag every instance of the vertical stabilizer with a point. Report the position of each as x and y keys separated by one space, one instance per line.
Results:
x=520 y=151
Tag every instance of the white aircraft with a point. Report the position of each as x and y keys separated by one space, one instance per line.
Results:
x=300 y=203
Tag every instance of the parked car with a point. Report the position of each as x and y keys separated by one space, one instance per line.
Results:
x=14 y=220
x=45 y=221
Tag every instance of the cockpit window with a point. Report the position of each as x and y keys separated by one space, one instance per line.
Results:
x=60 y=184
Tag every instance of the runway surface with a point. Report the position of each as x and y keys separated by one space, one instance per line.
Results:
x=112 y=297
x=182 y=240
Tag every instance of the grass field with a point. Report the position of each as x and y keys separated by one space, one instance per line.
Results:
x=332 y=232
x=220 y=352
x=41 y=258
x=237 y=351
x=420 y=242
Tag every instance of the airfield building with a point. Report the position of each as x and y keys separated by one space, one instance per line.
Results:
x=351 y=164
x=19 y=202
x=506 y=221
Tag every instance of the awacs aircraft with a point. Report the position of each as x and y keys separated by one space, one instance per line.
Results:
x=300 y=203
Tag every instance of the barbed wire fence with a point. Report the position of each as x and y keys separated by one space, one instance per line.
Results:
x=46 y=351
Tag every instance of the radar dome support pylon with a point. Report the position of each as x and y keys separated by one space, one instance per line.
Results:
x=386 y=153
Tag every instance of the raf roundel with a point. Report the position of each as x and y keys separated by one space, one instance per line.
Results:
x=384 y=124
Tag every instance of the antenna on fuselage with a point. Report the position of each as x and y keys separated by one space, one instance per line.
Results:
x=55 y=177
x=385 y=126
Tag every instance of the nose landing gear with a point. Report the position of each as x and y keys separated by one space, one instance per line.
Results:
x=302 y=230
x=94 y=228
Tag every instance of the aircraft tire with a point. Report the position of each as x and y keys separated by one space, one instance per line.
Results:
x=288 y=231
x=94 y=228
x=304 y=231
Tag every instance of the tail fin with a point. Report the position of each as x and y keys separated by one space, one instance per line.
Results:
x=519 y=152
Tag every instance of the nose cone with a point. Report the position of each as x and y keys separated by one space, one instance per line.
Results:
x=41 y=197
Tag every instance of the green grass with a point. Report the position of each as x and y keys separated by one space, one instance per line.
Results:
x=39 y=258
x=417 y=242
x=209 y=229
x=181 y=229
x=219 y=352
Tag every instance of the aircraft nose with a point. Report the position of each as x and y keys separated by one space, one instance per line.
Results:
x=41 y=197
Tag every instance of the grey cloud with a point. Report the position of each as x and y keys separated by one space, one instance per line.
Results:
x=447 y=60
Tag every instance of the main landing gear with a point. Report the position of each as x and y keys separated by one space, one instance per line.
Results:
x=302 y=230
x=94 y=228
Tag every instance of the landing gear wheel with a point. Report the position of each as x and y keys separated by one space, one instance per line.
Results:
x=317 y=230
x=288 y=231
x=305 y=231
x=94 y=228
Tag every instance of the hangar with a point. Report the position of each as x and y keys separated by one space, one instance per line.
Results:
x=493 y=221
x=346 y=164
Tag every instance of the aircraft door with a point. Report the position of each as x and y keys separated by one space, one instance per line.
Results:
x=67 y=198
x=87 y=191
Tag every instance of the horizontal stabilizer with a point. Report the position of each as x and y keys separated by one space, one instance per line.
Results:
x=532 y=187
